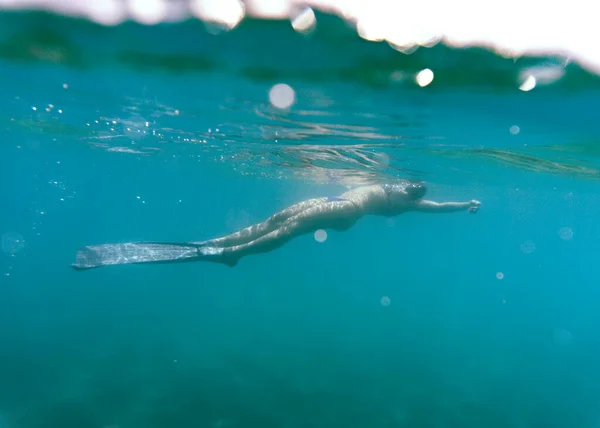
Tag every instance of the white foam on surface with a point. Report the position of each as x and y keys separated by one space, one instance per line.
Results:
x=508 y=27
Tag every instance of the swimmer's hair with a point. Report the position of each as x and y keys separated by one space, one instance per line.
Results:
x=416 y=190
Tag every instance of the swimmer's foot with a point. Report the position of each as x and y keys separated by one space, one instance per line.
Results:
x=218 y=255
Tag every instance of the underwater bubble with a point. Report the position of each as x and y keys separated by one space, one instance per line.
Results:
x=320 y=235
x=305 y=21
x=385 y=301
x=562 y=336
x=424 y=77
x=12 y=242
x=514 y=130
x=499 y=275
x=528 y=84
x=565 y=233
x=528 y=247
x=282 y=96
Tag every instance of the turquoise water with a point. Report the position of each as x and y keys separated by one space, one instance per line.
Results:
x=166 y=134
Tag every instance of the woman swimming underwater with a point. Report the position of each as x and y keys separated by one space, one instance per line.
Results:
x=338 y=213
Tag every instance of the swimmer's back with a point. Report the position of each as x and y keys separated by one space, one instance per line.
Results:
x=366 y=197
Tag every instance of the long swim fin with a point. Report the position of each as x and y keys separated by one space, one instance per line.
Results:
x=147 y=252
x=134 y=252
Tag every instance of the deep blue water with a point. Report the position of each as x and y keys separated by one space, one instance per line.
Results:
x=490 y=319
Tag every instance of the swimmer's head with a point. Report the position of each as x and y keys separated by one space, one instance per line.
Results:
x=415 y=190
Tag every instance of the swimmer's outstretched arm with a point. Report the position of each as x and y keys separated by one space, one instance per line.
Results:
x=446 y=207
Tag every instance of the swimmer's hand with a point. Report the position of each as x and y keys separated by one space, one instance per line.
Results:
x=474 y=206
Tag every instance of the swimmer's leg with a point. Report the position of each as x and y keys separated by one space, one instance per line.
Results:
x=325 y=216
x=255 y=231
x=338 y=216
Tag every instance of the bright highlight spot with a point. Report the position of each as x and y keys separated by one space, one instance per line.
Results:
x=107 y=12
x=305 y=21
x=385 y=301
x=148 y=12
x=499 y=275
x=226 y=12
x=282 y=96
x=424 y=77
x=514 y=130
x=528 y=84
x=320 y=235
x=368 y=31
x=269 y=9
